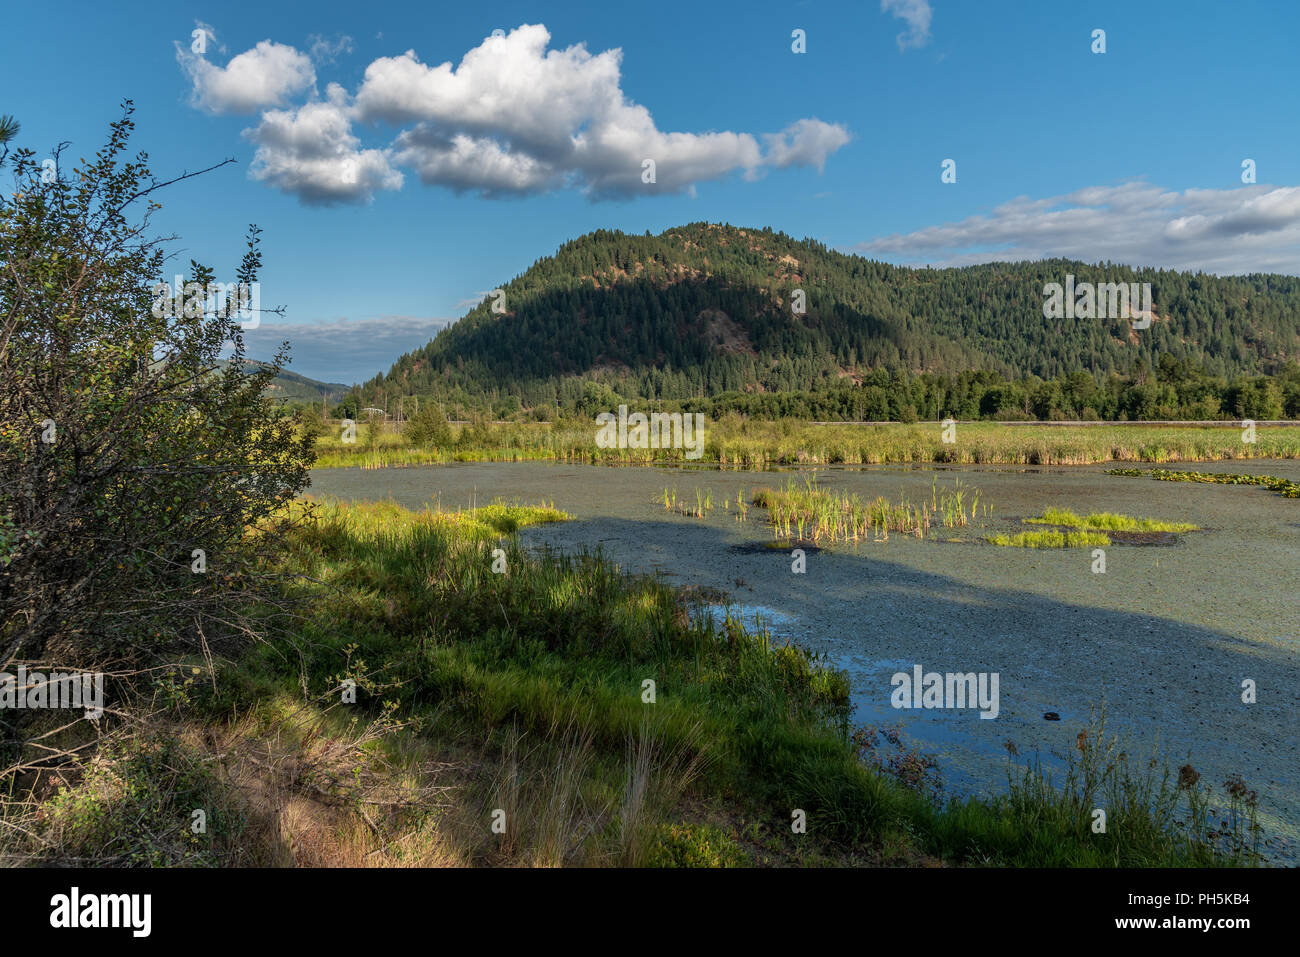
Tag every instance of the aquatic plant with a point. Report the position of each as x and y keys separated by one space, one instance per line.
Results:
x=1284 y=487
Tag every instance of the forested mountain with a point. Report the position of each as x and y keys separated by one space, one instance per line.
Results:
x=706 y=309
x=291 y=387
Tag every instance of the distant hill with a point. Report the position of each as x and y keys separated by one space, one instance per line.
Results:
x=291 y=386
x=704 y=309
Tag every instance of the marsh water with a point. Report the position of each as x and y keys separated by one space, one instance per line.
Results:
x=1166 y=636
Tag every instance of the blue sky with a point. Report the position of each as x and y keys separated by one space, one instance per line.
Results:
x=392 y=189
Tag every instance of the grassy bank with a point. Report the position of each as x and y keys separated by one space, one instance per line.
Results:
x=519 y=698
x=736 y=442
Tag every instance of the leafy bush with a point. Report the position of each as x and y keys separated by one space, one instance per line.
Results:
x=132 y=461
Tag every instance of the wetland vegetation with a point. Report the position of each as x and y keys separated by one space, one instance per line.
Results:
x=736 y=442
x=525 y=691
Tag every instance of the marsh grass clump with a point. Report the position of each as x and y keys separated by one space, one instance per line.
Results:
x=703 y=503
x=1051 y=539
x=700 y=509
x=958 y=505
x=810 y=512
x=1108 y=522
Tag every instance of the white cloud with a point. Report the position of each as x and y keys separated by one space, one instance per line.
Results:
x=512 y=118
x=266 y=75
x=916 y=14
x=1241 y=230
x=312 y=153
x=510 y=85
x=805 y=143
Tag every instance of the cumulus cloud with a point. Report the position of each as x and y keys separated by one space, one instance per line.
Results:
x=267 y=75
x=515 y=116
x=916 y=14
x=512 y=118
x=312 y=153
x=1240 y=230
x=805 y=143
x=462 y=162
x=343 y=350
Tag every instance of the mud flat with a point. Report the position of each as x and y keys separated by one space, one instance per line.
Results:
x=1165 y=636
